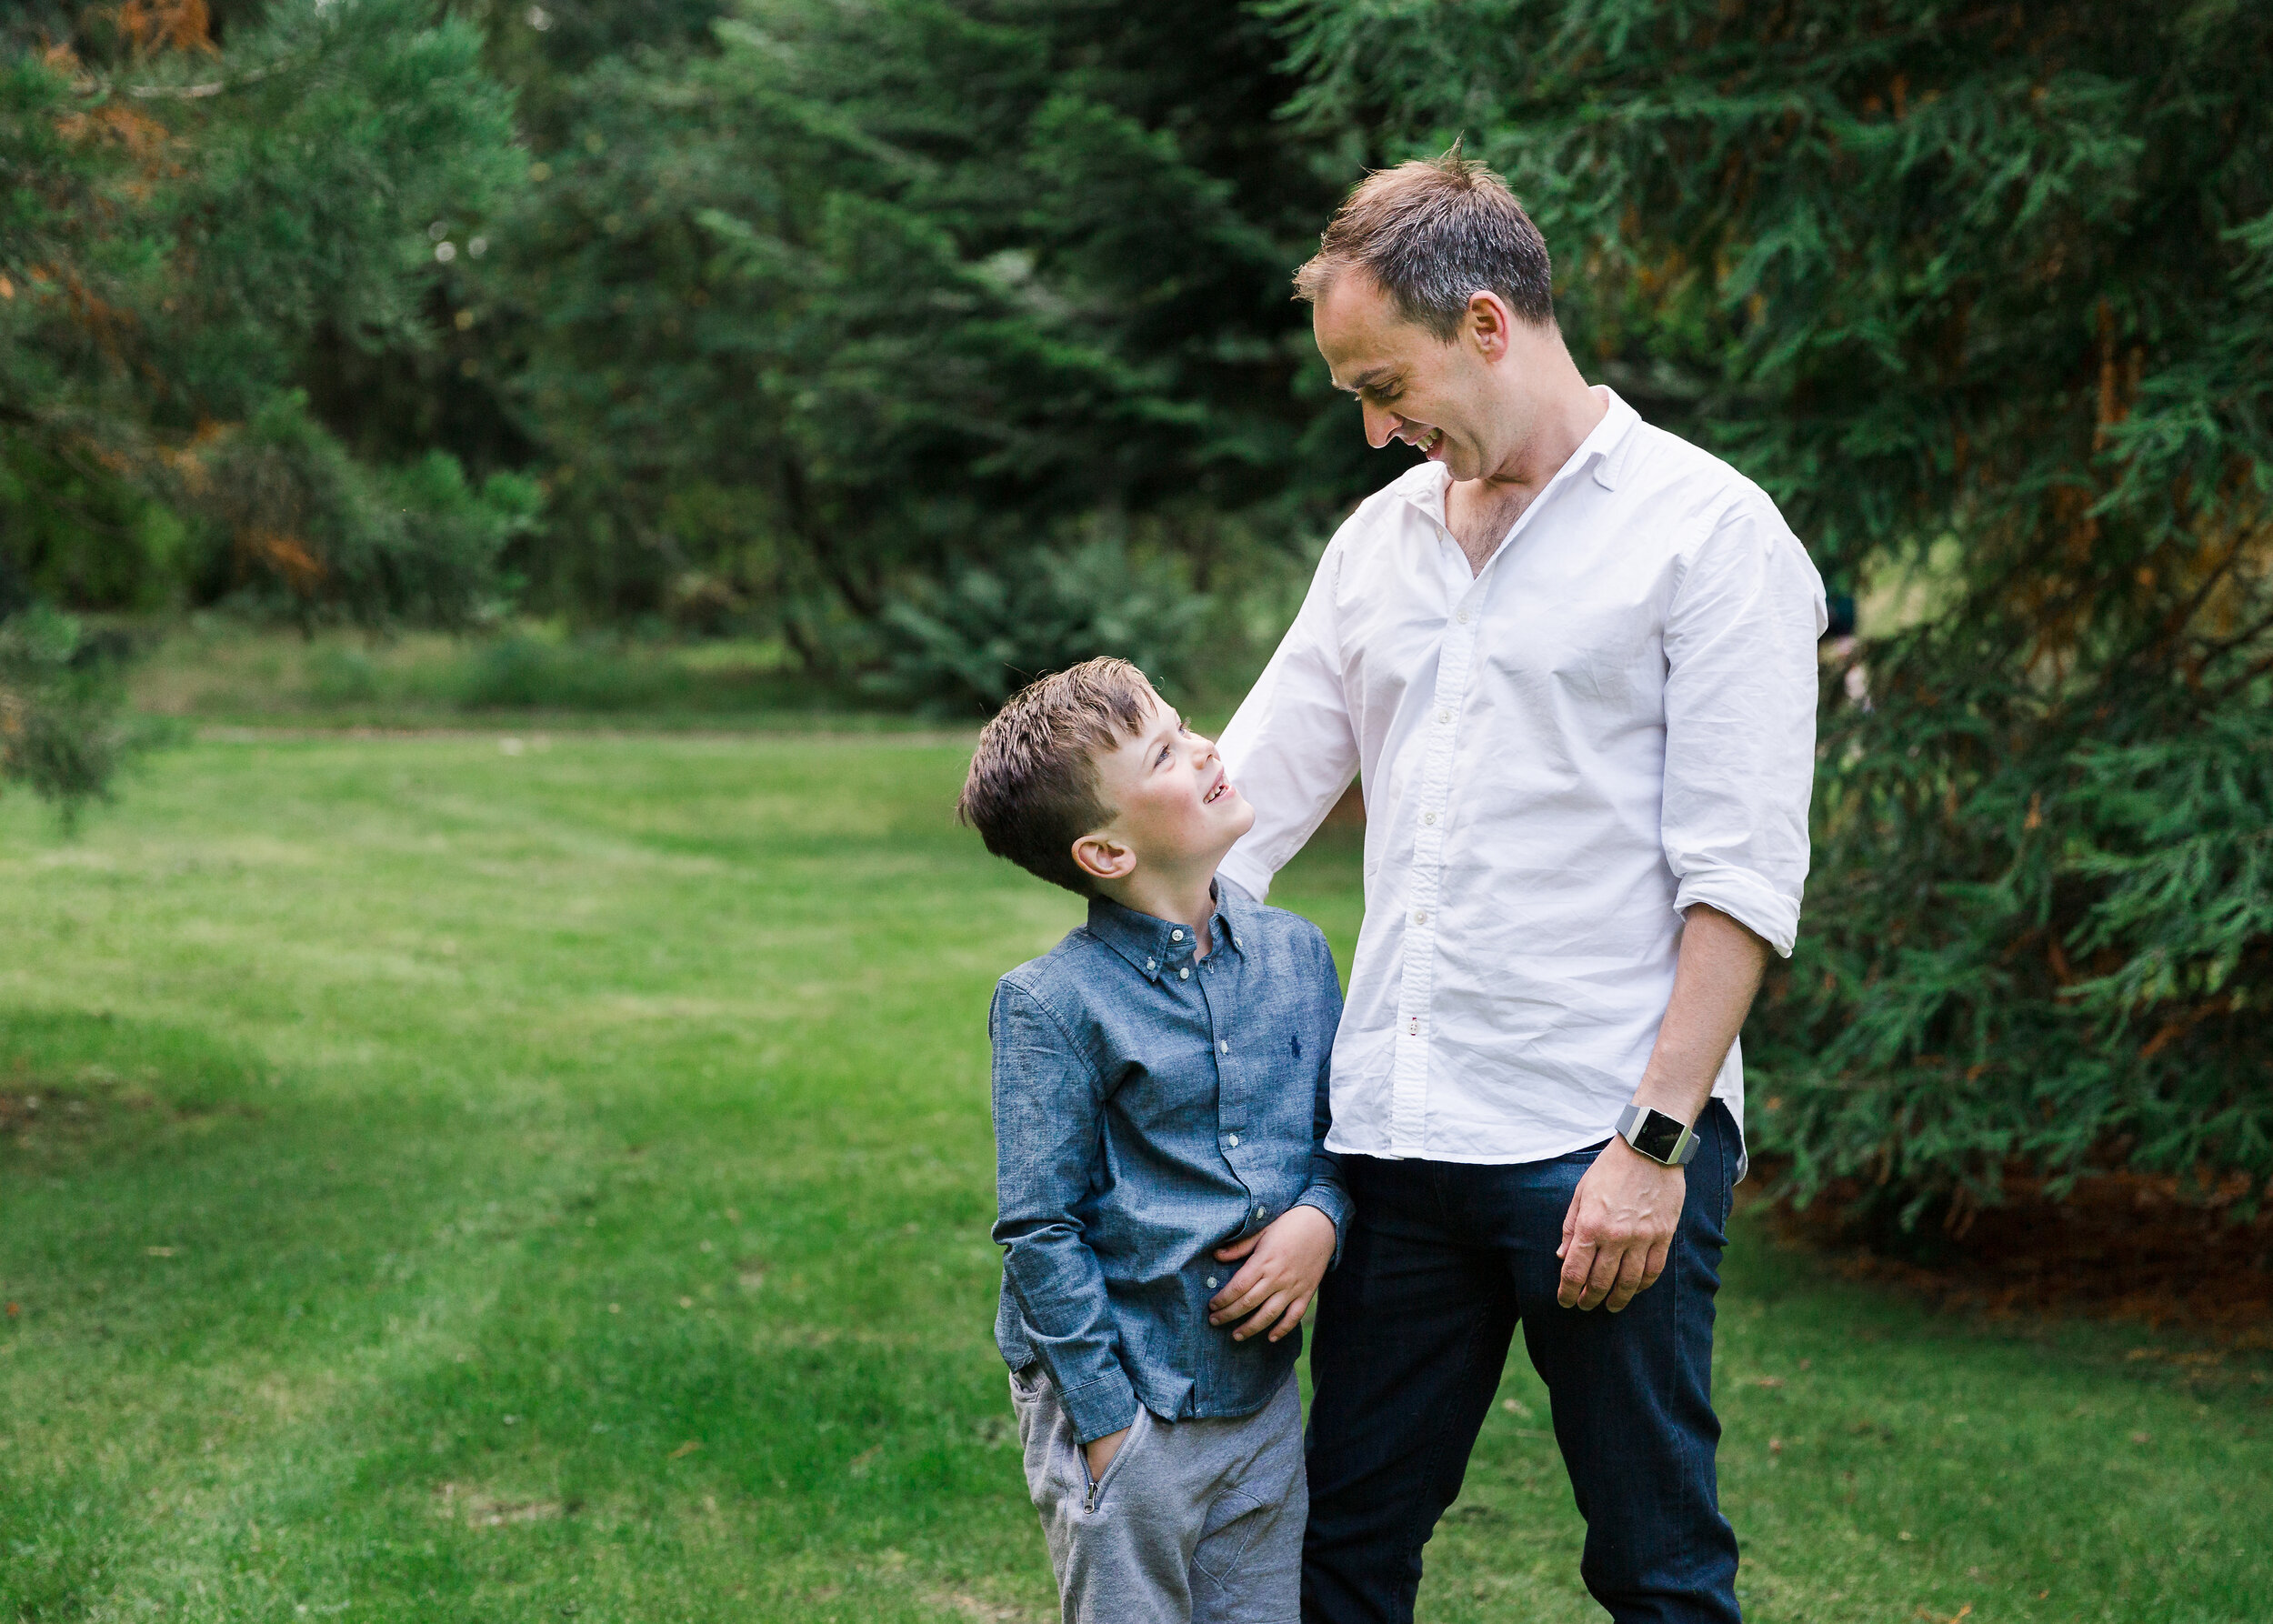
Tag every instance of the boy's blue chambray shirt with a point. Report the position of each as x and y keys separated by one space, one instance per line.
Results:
x=1149 y=1107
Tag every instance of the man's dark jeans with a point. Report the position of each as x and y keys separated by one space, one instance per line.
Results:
x=1442 y=1260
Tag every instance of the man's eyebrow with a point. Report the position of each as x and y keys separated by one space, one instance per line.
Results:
x=1367 y=379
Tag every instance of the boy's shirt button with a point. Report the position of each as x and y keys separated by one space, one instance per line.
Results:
x=1231 y=1139
x=1152 y=963
x=1184 y=974
x=1211 y=1282
x=1223 y=1045
x=1175 y=936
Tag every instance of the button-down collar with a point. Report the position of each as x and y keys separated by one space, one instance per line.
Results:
x=1157 y=947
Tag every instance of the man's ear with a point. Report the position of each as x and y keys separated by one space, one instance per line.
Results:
x=1490 y=324
x=1101 y=857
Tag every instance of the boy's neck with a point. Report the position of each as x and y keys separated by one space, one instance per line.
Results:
x=1180 y=899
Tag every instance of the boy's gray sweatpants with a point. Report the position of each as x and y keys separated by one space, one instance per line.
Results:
x=1197 y=1520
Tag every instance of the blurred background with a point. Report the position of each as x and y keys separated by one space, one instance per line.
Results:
x=509 y=512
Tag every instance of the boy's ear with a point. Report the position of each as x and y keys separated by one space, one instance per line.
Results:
x=1101 y=857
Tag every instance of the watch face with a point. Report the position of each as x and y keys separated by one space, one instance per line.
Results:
x=1657 y=1135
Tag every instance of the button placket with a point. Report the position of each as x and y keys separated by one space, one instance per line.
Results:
x=1409 y=1090
x=1231 y=1121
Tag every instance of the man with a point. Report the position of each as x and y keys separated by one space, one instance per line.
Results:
x=1573 y=658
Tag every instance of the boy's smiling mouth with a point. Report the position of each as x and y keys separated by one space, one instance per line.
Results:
x=1217 y=791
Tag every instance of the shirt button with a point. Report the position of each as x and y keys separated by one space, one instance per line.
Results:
x=1152 y=963
x=1444 y=718
x=1175 y=936
x=1412 y=1027
x=1258 y=1212
x=1420 y=916
x=1428 y=818
x=1462 y=617
x=1185 y=974
x=1211 y=1282
x=1222 y=1045
x=1231 y=1139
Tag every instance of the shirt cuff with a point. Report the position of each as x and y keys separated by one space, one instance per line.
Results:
x=1334 y=1204
x=1100 y=1407
x=1748 y=899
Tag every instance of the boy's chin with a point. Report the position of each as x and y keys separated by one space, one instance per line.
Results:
x=1237 y=819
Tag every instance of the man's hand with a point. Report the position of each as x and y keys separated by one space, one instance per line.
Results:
x=1283 y=1266
x=1619 y=1229
x=1099 y=1452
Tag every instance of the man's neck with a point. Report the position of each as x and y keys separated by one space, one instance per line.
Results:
x=1181 y=898
x=1480 y=512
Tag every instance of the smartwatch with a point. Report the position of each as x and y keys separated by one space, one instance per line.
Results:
x=1659 y=1137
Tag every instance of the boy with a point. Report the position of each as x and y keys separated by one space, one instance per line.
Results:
x=1160 y=1117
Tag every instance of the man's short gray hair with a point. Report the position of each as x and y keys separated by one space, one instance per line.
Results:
x=1433 y=233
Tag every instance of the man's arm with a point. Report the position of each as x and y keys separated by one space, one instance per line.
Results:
x=1048 y=1142
x=1740 y=712
x=1290 y=749
x=1619 y=1229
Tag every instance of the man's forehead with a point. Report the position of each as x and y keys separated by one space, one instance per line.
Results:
x=1356 y=330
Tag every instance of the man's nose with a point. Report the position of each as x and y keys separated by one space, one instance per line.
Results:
x=1379 y=424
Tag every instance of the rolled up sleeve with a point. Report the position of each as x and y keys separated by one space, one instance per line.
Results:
x=1049 y=1151
x=1740 y=723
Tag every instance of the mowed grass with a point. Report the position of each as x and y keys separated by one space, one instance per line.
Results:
x=472 y=1185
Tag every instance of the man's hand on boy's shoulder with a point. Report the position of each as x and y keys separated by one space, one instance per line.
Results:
x=1283 y=1264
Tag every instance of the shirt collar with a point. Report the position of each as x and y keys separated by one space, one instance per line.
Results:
x=1606 y=448
x=1156 y=947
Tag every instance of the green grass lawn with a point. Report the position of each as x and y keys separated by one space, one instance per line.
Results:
x=471 y=1185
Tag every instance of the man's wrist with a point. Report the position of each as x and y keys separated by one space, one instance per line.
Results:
x=1658 y=1134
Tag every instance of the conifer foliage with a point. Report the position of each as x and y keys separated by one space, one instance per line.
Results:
x=189 y=199
x=871 y=298
x=1999 y=277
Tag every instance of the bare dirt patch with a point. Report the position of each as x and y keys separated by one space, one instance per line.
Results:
x=88 y=1104
x=2121 y=1246
x=479 y=1510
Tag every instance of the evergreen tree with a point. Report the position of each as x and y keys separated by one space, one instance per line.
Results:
x=1999 y=278
x=876 y=294
x=184 y=216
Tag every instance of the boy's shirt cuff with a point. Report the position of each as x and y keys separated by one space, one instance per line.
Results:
x=1335 y=1203
x=1101 y=1407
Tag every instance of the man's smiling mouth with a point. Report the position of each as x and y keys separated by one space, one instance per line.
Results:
x=1428 y=441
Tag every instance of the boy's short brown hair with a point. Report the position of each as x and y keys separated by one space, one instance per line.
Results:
x=1032 y=790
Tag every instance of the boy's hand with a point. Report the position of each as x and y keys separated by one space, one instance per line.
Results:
x=1283 y=1266
x=1099 y=1452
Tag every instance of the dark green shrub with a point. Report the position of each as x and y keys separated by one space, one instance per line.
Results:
x=966 y=644
x=60 y=732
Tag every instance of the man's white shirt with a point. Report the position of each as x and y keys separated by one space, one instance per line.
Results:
x=1612 y=720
